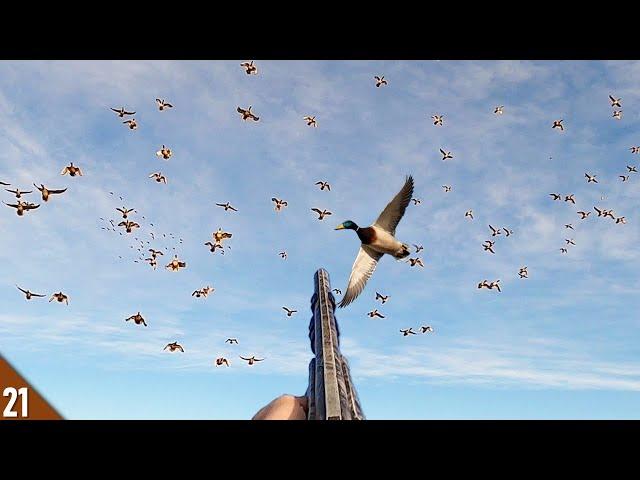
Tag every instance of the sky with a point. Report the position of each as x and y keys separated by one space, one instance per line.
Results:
x=563 y=343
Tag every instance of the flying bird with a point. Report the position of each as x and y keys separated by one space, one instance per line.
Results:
x=132 y=124
x=159 y=177
x=416 y=201
x=137 y=318
x=289 y=311
x=72 y=170
x=415 y=261
x=563 y=250
x=162 y=104
x=569 y=198
x=337 y=291
x=615 y=102
x=252 y=359
x=311 y=121
x=321 y=213
x=488 y=246
x=22 y=207
x=583 y=215
x=375 y=313
x=283 y=255
x=507 y=231
x=499 y=110
x=523 y=272
x=635 y=149
x=324 y=185
x=445 y=155
x=407 y=331
x=222 y=361
x=494 y=231
x=621 y=220
x=558 y=124
x=447 y=188
x=29 y=294
x=231 y=341
x=5 y=184
x=247 y=114
x=164 y=152
x=18 y=193
x=569 y=241
x=227 y=206
x=173 y=347
x=59 y=297
x=129 y=226
x=469 y=213
x=556 y=196
x=249 y=68
x=568 y=225
x=632 y=169
x=617 y=114
x=46 y=192
x=380 y=81
x=418 y=248
x=590 y=178
x=175 y=265
x=279 y=204
x=122 y=112
x=376 y=240
x=437 y=119
x=624 y=177
x=382 y=298
x=426 y=328
x=220 y=236
x=125 y=211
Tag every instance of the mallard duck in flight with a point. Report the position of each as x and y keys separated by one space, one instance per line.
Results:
x=28 y=294
x=222 y=361
x=72 y=170
x=129 y=226
x=324 y=185
x=558 y=124
x=132 y=124
x=175 y=264
x=122 y=112
x=615 y=102
x=247 y=114
x=125 y=211
x=289 y=311
x=311 y=121
x=162 y=104
x=279 y=204
x=46 y=192
x=437 y=119
x=375 y=313
x=22 y=207
x=249 y=68
x=159 y=177
x=59 y=297
x=164 y=152
x=321 y=213
x=173 y=347
x=380 y=81
x=382 y=298
x=137 y=318
x=376 y=240
x=18 y=193
x=252 y=359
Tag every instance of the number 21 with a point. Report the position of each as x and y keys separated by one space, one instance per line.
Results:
x=13 y=394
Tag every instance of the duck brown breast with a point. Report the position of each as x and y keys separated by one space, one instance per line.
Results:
x=367 y=235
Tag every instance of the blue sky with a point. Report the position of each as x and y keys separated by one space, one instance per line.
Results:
x=563 y=343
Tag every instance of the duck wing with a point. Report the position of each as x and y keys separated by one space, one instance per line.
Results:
x=362 y=269
x=393 y=212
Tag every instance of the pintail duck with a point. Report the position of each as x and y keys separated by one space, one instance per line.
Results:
x=380 y=81
x=556 y=196
x=418 y=248
x=46 y=192
x=164 y=152
x=173 y=347
x=231 y=341
x=129 y=226
x=523 y=272
x=59 y=297
x=569 y=198
x=249 y=68
x=22 y=207
x=382 y=298
x=137 y=318
x=590 y=178
x=227 y=206
x=615 y=102
x=222 y=361
x=499 y=110
x=375 y=313
x=246 y=114
x=162 y=104
x=175 y=264
x=583 y=215
x=252 y=359
x=132 y=124
x=279 y=204
x=426 y=328
x=445 y=155
x=72 y=170
x=377 y=240
x=18 y=193
x=311 y=121
x=159 y=177
x=321 y=213
x=407 y=331
x=122 y=112
x=558 y=124
x=447 y=188
x=289 y=311
x=324 y=185
x=469 y=213
x=415 y=261
x=29 y=294
x=437 y=119
x=125 y=211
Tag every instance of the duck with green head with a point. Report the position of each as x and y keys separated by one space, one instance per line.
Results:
x=377 y=240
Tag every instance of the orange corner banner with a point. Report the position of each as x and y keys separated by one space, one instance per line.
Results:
x=19 y=400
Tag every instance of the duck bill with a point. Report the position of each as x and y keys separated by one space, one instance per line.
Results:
x=340 y=227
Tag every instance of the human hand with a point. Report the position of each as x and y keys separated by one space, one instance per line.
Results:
x=285 y=407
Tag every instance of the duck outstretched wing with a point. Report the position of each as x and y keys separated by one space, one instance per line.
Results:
x=393 y=212
x=362 y=269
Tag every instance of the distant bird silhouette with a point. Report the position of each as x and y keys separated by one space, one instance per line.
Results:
x=558 y=124
x=321 y=213
x=162 y=104
x=380 y=81
x=59 y=297
x=47 y=192
x=252 y=359
x=382 y=298
x=247 y=114
x=174 y=346
x=29 y=295
x=289 y=311
x=72 y=170
x=137 y=318
x=324 y=185
x=122 y=112
x=375 y=313
x=249 y=68
x=407 y=331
